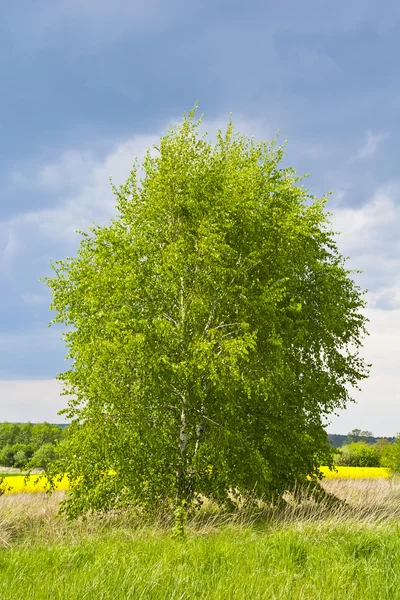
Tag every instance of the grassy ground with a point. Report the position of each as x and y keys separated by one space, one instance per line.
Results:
x=305 y=551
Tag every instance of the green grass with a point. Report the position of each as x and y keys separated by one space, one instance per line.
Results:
x=305 y=552
x=235 y=563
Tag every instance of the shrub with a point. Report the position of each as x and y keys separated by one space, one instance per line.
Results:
x=16 y=455
x=20 y=459
x=43 y=456
x=358 y=454
x=390 y=457
x=383 y=447
x=7 y=456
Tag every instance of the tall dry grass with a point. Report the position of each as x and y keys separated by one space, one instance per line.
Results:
x=29 y=519
x=367 y=502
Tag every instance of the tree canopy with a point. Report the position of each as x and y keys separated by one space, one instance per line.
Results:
x=212 y=326
x=24 y=445
x=359 y=435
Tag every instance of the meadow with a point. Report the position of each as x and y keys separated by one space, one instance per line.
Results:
x=306 y=550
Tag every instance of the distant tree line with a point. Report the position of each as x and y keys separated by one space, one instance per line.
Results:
x=337 y=440
x=361 y=449
x=29 y=445
x=35 y=445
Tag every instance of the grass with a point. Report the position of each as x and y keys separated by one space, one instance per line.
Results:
x=234 y=563
x=304 y=551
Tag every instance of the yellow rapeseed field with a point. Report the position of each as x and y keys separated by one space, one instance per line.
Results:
x=17 y=484
x=356 y=473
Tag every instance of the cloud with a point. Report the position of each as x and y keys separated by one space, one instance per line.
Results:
x=378 y=405
x=34 y=299
x=79 y=181
x=34 y=400
x=9 y=246
x=372 y=143
x=82 y=182
x=369 y=235
x=32 y=352
x=387 y=298
x=71 y=169
x=88 y=198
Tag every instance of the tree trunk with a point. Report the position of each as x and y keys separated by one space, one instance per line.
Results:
x=181 y=473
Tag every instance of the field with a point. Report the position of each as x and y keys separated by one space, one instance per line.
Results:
x=14 y=483
x=356 y=473
x=304 y=551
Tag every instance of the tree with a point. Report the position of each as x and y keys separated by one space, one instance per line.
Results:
x=384 y=449
x=7 y=456
x=20 y=459
x=16 y=455
x=43 y=456
x=212 y=328
x=45 y=433
x=14 y=433
x=358 y=435
x=390 y=456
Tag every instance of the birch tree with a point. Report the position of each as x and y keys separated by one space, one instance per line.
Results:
x=212 y=329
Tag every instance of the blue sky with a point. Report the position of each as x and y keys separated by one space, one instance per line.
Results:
x=88 y=85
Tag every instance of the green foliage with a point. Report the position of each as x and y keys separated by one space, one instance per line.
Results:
x=358 y=435
x=180 y=514
x=390 y=455
x=336 y=440
x=362 y=454
x=358 y=454
x=334 y=562
x=339 y=440
x=7 y=456
x=44 y=433
x=43 y=456
x=383 y=447
x=14 y=433
x=15 y=455
x=20 y=442
x=212 y=327
x=20 y=457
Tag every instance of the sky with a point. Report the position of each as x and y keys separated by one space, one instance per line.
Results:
x=89 y=85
